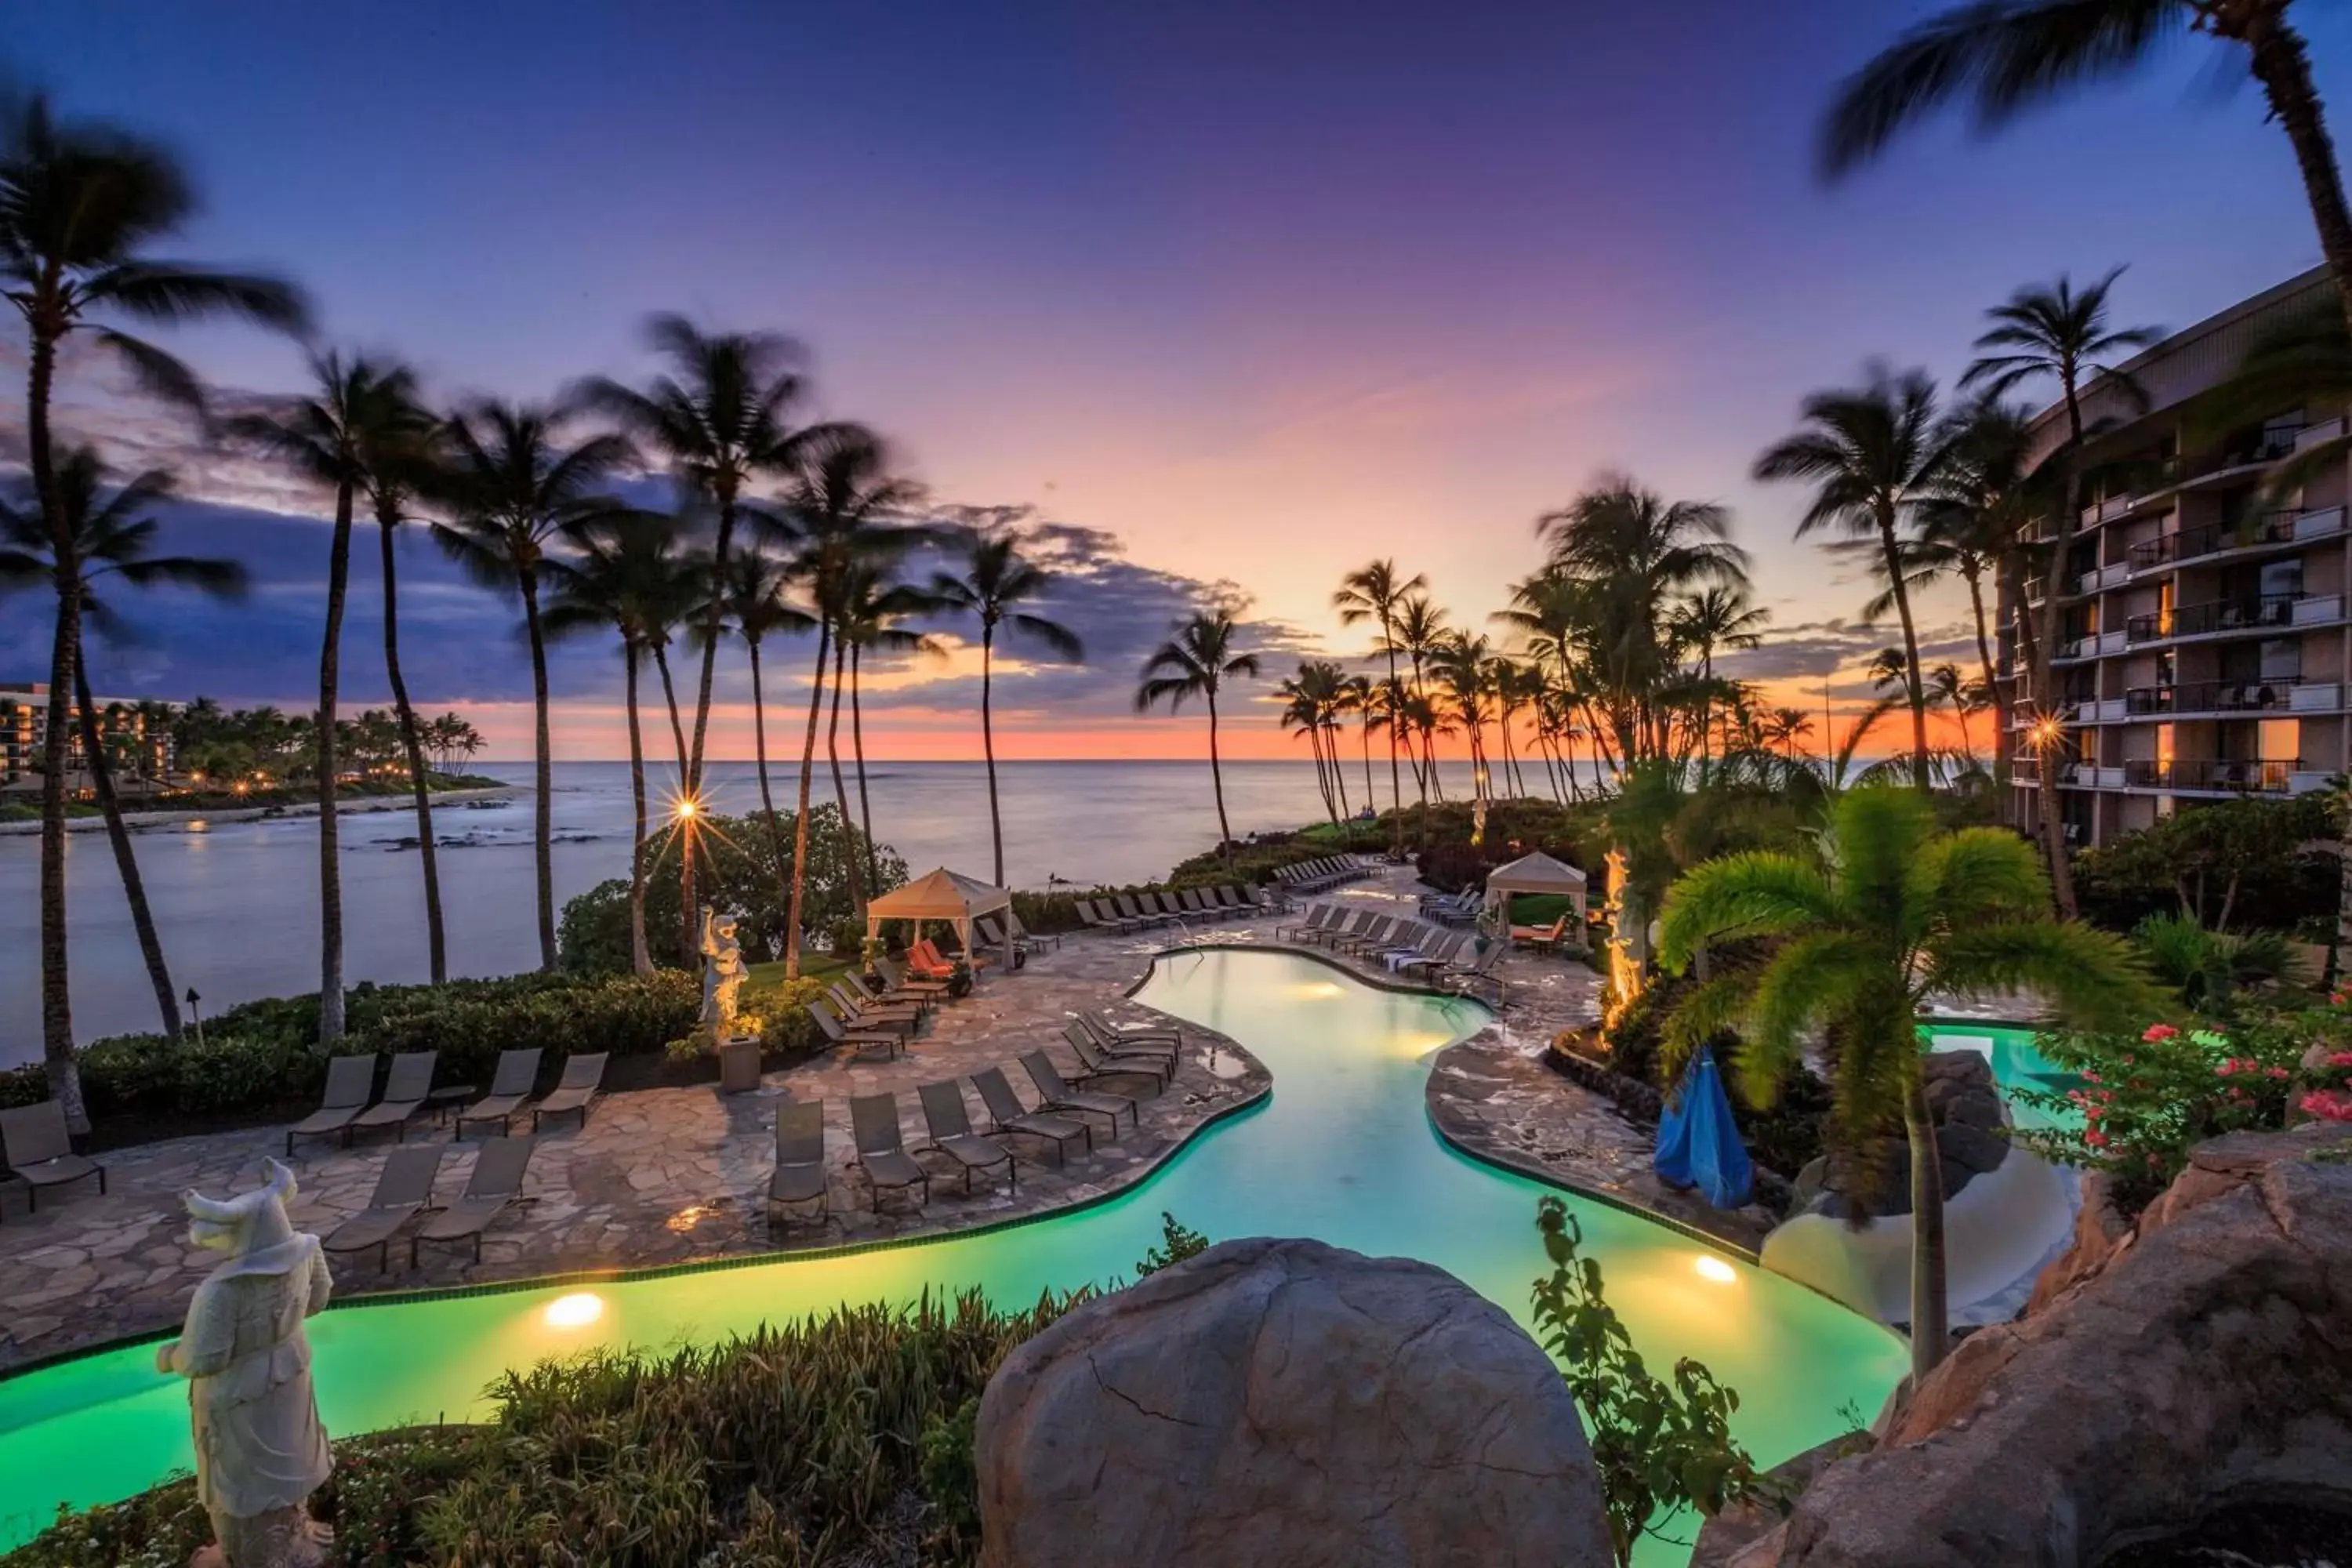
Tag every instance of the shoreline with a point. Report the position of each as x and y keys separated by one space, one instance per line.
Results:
x=354 y=805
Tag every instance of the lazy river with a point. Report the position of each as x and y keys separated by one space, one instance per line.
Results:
x=1342 y=1151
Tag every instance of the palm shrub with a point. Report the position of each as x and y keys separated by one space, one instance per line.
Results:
x=1888 y=910
x=2206 y=967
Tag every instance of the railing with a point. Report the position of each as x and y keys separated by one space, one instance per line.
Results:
x=2282 y=527
x=2213 y=696
x=2214 y=615
x=2245 y=778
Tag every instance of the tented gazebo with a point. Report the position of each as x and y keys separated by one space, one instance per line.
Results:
x=1534 y=873
x=940 y=895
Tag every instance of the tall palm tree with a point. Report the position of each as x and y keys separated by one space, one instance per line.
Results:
x=1892 y=912
x=1420 y=627
x=872 y=613
x=1373 y=592
x=2057 y=332
x=398 y=445
x=514 y=488
x=753 y=585
x=996 y=578
x=1197 y=661
x=1306 y=710
x=630 y=576
x=324 y=437
x=79 y=206
x=1361 y=700
x=721 y=418
x=848 y=510
x=112 y=536
x=2004 y=57
x=1719 y=616
x=1874 y=454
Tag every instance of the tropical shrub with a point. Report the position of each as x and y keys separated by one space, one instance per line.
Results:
x=1177 y=1243
x=2205 y=968
x=1662 y=1448
x=2229 y=864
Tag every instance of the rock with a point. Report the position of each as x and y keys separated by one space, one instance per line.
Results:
x=1971 y=1148
x=1972 y=1105
x=2204 y=1361
x=2100 y=1230
x=1809 y=1183
x=1286 y=1403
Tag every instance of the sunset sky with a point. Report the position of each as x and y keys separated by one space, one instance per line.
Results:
x=1242 y=293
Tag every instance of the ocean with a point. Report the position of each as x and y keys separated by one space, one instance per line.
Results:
x=236 y=903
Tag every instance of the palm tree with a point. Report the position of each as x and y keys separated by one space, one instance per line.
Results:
x=1419 y=625
x=871 y=613
x=1361 y=699
x=514 y=488
x=80 y=203
x=111 y=538
x=2007 y=56
x=753 y=585
x=846 y=507
x=1891 y=912
x=721 y=419
x=1948 y=687
x=324 y=437
x=1373 y=592
x=1718 y=616
x=629 y=576
x=1874 y=454
x=996 y=578
x=1196 y=662
x=1307 y=708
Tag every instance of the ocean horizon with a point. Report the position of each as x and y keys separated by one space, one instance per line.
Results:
x=237 y=903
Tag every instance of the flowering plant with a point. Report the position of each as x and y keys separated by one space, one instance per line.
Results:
x=2142 y=1101
x=2328 y=1097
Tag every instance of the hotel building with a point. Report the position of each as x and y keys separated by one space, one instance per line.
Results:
x=2202 y=654
x=25 y=727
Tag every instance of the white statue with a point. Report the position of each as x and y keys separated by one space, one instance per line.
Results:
x=722 y=973
x=260 y=1450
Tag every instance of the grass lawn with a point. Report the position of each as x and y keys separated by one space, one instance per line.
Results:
x=1539 y=909
x=762 y=981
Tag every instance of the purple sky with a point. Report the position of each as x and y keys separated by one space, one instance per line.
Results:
x=1261 y=291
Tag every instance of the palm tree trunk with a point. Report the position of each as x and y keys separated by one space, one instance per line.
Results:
x=1322 y=774
x=1396 y=788
x=689 y=944
x=1911 y=683
x=1217 y=779
x=840 y=790
x=988 y=743
x=56 y=996
x=437 y=961
x=2283 y=64
x=1339 y=769
x=1930 y=1328
x=641 y=958
x=865 y=806
x=669 y=696
x=1996 y=692
x=543 y=775
x=118 y=837
x=759 y=755
x=800 y=821
x=330 y=880
x=2045 y=651
x=1367 y=735
x=719 y=552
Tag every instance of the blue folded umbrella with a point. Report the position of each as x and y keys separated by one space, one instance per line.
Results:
x=1699 y=1141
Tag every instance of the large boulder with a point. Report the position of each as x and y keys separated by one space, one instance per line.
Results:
x=2202 y=1362
x=1286 y=1403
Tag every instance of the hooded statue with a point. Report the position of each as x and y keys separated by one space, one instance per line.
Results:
x=260 y=1450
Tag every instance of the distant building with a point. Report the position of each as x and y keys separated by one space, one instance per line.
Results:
x=145 y=756
x=2202 y=654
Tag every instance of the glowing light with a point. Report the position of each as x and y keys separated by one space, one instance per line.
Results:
x=1716 y=1270
x=684 y=810
x=1318 y=991
x=576 y=1310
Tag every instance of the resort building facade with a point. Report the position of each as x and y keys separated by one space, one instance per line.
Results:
x=137 y=729
x=2203 y=651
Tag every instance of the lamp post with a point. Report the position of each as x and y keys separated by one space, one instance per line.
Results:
x=193 y=1012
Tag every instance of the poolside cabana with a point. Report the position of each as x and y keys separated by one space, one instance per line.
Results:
x=1534 y=873
x=941 y=895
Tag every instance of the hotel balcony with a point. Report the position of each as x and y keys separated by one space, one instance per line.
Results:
x=2215 y=776
x=2269 y=531
x=2197 y=699
x=2226 y=617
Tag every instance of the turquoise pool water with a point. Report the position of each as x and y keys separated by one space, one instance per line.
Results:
x=2015 y=1064
x=1343 y=1152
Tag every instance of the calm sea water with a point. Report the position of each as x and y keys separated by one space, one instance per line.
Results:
x=238 y=903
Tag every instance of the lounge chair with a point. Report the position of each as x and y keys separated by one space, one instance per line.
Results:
x=881 y=1148
x=40 y=1150
x=496 y=1181
x=1317 y=915
x=1190 y=898
x=903 y=980
x=1412 y=940
x=950 y=1128
x=994 y=938
x=404 y=1186
x=798 y=1176
x=405 y=1088
x=925 y=961
x=1006 y=1115
x=889 y=1040
x=1231 y=899
x=1098 y=1063
x=1382 y=932
x=1543 y=938
x=922 y=1000
x=351 y=1082
x=860 y=1014
x=583 y=1080
x=1132 y=911
x=510 y=1088
x=1055 y=1094
x=1165 y=1043
x=1480 y=970
x=1030 y=938
x=1443 y=952
x=1331 y=936
x=1115 y=922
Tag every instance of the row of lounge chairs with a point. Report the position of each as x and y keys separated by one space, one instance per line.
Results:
x=1319 y=875
x=887 y=1162
x=1460 y=908
x=1455 y=960
x=403 y=1192
x=1124 y=912
x=350 y=1105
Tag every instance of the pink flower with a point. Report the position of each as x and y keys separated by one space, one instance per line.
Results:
x=2227 y=1068
x=2274 y=1072
x=2328 y=1105
x=2156 y=1033
x=2093 y=1112
x=2339 y=1058
x=2089 y=1076
x=2095 y=1139
x=2338 y=998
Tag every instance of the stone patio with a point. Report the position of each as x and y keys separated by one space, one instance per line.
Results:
x=673 y=1176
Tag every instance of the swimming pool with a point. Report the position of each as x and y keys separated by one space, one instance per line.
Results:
x=2016 y=1064
x=1342 y=1151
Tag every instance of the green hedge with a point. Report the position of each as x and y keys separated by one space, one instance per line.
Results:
x=265 y=1054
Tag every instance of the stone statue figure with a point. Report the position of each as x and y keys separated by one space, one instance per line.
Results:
x=260 y=1450
x=722 y=972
